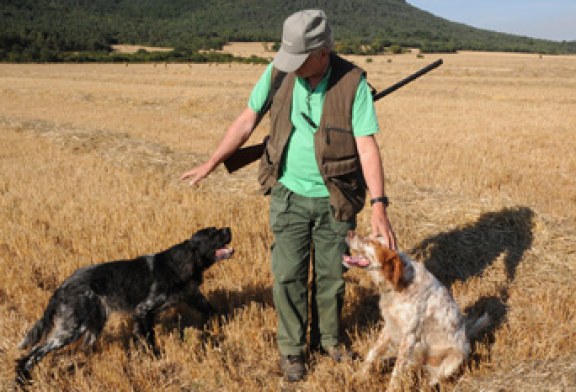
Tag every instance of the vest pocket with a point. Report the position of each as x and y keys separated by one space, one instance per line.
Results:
x=346 y=185
x=341 y=142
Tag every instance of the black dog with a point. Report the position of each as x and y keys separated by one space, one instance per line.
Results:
x=143 y=287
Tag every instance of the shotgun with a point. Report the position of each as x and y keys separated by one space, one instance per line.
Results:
x=247 y=155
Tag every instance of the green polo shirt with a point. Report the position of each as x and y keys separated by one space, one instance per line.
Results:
x=300 y=171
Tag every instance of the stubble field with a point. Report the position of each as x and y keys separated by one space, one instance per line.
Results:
x=480 y=164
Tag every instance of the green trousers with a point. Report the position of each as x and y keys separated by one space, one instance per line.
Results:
x=303 y=226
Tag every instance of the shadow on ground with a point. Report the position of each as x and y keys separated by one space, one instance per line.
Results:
x=462 y=253
x=454 y=255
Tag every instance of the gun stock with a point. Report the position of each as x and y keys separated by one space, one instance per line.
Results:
x=246 y=155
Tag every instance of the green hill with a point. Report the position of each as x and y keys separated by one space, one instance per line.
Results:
x=41 y=30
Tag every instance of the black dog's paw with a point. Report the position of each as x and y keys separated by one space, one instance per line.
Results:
x=23 y=376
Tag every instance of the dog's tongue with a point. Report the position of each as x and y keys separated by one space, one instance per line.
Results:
x=224 y=253
x=357 y=261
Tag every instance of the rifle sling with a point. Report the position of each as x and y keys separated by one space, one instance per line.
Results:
x=276 y=83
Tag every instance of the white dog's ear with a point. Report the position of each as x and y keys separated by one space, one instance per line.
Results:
x=392 y=267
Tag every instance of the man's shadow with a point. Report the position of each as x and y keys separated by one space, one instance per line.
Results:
x=465 y=252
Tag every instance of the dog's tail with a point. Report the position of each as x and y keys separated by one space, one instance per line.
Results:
x=41 y=327
x=475 y=326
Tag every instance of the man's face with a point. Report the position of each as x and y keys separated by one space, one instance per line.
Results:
x=315 y=64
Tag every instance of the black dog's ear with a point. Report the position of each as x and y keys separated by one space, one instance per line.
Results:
x=200 y=244
x=203 y=234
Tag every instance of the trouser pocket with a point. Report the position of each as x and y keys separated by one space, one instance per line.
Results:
x=279 y=205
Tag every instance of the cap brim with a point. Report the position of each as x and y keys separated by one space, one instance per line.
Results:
x=289 y=62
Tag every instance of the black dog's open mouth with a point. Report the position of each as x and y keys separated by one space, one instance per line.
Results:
x=224 y=253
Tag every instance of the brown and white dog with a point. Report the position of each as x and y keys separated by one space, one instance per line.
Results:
x=422 y=320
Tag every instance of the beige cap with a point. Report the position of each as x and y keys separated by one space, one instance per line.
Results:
x=303 y=32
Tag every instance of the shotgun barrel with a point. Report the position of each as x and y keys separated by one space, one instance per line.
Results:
x=407 y=80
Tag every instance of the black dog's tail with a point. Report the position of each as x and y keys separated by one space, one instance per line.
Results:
x=41 y=327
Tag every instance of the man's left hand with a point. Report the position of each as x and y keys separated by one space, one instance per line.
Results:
x=381 y=226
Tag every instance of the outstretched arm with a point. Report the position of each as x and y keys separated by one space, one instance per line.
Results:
x=236 y=135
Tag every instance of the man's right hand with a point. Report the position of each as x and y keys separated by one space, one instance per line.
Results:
x=198 y=173
x=236 y=135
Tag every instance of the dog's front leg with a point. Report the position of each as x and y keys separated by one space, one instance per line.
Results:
x=405 y=354
x=145 y=329
x=144 y=316
x=196 y=300
x=383 y=340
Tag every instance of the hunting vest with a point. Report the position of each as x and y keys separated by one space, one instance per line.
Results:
x=334 y=142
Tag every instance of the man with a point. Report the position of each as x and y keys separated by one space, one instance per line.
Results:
x=319 y=159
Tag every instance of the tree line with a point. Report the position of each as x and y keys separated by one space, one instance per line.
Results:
x=86 y=30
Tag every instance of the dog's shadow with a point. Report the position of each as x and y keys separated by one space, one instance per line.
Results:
x=465 y=252
x=225 y=302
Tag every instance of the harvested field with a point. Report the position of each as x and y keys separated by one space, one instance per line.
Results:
x=480 y=165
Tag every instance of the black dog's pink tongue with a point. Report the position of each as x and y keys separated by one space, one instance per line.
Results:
x=357 y=261
x=224 y=253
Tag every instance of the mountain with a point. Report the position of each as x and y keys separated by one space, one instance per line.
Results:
x=80 y=25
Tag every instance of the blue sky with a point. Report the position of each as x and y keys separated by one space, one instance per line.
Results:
x=548 y=19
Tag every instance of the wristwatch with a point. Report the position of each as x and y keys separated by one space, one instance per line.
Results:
x=381 y=199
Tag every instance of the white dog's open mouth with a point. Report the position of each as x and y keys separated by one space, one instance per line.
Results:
x=224 y=253
x=355 y=261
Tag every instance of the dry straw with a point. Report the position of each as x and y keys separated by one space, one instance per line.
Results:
x=479 y=162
